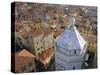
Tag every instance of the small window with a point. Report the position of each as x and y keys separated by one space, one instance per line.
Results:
x=74 y=68
x=38 y=54
x=37 y=42
x=41 y=47
x=38 y=49
x=74 y=51
x=92 y=47
x=53 y=47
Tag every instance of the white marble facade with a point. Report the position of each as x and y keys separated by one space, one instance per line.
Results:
x=70 y=49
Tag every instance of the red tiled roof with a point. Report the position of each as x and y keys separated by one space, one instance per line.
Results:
x=24 y=53
x=22 y=58
x=33 y=33
x=46 y=31
x=45 y=54
x=57 y=32
x=91 y=38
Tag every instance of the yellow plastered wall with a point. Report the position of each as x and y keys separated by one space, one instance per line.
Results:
x=92 y=46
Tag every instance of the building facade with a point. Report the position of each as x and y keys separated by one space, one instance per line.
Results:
x=39 y=42
x=70 y=49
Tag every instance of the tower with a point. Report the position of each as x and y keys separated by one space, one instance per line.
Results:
x=70 y=48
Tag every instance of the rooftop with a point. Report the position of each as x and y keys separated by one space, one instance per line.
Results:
x=45 y=55
x=24 y=53
x=46 y=31
x=32 y=32
x=70 y=39
x=22 y=58
x=35 y=32
x=91 y=38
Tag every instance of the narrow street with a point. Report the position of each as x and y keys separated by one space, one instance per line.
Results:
x=92 y=60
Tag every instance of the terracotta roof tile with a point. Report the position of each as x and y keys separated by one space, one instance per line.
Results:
x=22 y=58
x=46 y=31
x=33 y=33
x=24 y=53
x=57 y=32
x=45 y=54
x=91 y=38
